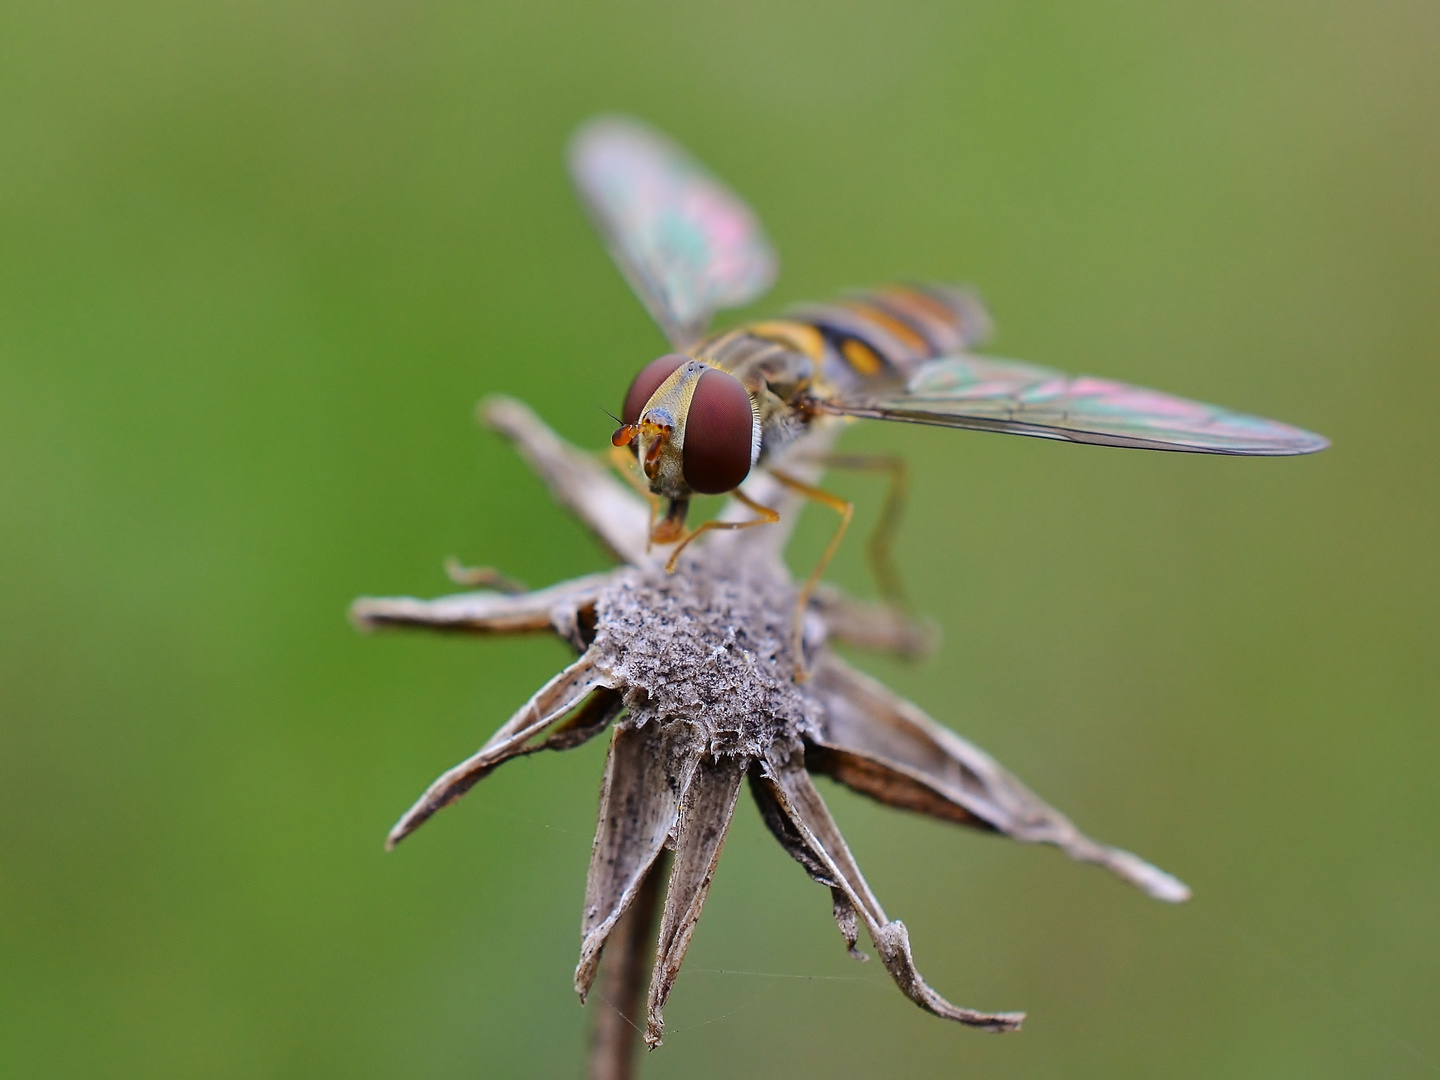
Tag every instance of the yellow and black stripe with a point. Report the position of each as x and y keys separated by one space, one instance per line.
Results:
x=876 y=336
x=857 y=344
x=886 y=333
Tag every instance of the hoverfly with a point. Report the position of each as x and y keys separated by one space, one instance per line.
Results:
x=701 y=418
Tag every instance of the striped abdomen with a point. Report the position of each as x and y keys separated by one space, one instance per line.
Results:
x=886 y=333
x=867 y=339
x=879 y=335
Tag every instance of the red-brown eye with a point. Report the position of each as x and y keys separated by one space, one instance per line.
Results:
x=718 y=433
x=646 y=383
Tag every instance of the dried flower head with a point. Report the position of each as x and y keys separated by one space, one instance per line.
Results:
x=695 y=673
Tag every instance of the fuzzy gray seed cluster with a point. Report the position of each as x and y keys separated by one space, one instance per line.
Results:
x=711 y=645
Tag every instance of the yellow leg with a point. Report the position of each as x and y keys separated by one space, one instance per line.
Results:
x=846 y=510
x=879 y=548
x=767 y=517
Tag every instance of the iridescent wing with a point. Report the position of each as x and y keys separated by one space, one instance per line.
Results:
x=687 y=244
x=984 y=394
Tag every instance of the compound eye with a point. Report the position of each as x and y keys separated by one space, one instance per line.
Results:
x=719 y=430
x=643 y=388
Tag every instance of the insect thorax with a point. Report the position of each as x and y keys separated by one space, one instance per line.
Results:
x=778 y=377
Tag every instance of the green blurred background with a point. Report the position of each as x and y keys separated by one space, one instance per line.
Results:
x=257 y=263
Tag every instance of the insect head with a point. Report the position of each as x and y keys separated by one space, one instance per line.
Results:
x=694 y=428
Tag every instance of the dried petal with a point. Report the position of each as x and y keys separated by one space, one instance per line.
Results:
x=483 y=612
x=787 y=784
x=646 y=775
x=847 y=921
x=611 y=511
x=552 y=702
x=592 y=717
x=878 y=627
x=705 y=815
x=876 y=742
x=622 y=978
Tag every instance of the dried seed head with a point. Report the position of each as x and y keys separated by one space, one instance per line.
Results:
x=710 y=644
x=695 y=672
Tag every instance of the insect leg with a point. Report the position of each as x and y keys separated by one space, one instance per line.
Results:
x=880 y=547
x=767 y=517
x=846 y=510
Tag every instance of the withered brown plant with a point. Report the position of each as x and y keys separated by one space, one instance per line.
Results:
x=694 y=672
